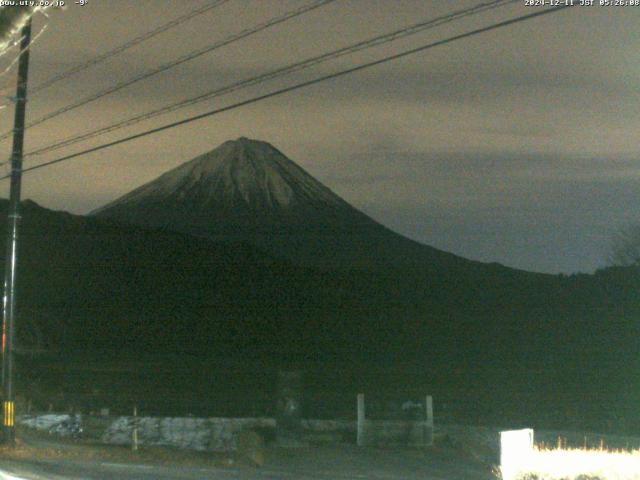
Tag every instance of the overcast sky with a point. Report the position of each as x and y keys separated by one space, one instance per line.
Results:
x=517 y=146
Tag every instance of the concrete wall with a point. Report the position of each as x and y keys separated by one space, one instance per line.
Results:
x=207 y=434
x=220 y=434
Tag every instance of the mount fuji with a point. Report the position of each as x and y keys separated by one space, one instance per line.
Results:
x=141 y=278
x=248 y=191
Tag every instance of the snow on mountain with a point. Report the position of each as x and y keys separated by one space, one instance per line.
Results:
x=244 y=170
x=247 y=190
x=242 y=182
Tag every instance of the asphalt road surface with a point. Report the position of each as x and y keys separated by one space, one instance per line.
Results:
x=322 y=463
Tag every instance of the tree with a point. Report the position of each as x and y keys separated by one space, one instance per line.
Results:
x=12 y=18
x=625 y=247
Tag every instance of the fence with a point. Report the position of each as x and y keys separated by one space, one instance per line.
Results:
x=415 y=428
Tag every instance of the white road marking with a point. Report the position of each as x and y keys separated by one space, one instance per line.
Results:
x=8 y=476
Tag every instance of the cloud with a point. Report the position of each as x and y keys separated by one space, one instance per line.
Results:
x=511 y=146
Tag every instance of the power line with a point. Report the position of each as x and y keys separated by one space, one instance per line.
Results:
x=300 y=85
x=190 y=56
x=127 y=45
x=121 y=48
x=291 y=68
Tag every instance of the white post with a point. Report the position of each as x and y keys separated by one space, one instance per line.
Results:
x=134 y=445
x=429 y=417
x=361 y=420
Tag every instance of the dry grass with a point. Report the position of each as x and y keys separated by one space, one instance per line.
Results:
x=563 y=463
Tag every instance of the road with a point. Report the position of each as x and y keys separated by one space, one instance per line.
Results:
x=324 y=463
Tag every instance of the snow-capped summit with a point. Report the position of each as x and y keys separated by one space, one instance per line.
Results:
x=247 y=190
x=244 y=183
x=240 y=177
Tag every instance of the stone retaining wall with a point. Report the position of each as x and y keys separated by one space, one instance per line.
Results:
x=220 y=434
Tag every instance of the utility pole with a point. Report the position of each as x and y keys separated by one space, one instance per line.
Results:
x=13 y=222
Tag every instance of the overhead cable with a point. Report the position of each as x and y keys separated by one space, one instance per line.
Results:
x=301 y=85
x=174 y=63
x=277 y=73
x=127 y=45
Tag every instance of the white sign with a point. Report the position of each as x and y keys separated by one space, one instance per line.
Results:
x=516 y=449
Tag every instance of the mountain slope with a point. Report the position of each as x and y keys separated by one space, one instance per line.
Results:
x=85 y=282
x=105 y=290
x=247 y=190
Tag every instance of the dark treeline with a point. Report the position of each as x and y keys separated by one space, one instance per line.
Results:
x=491 y=343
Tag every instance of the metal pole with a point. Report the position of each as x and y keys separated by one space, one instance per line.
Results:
x=429 y=420
x=360 y=440
x=134 y=443
x=13 y=221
